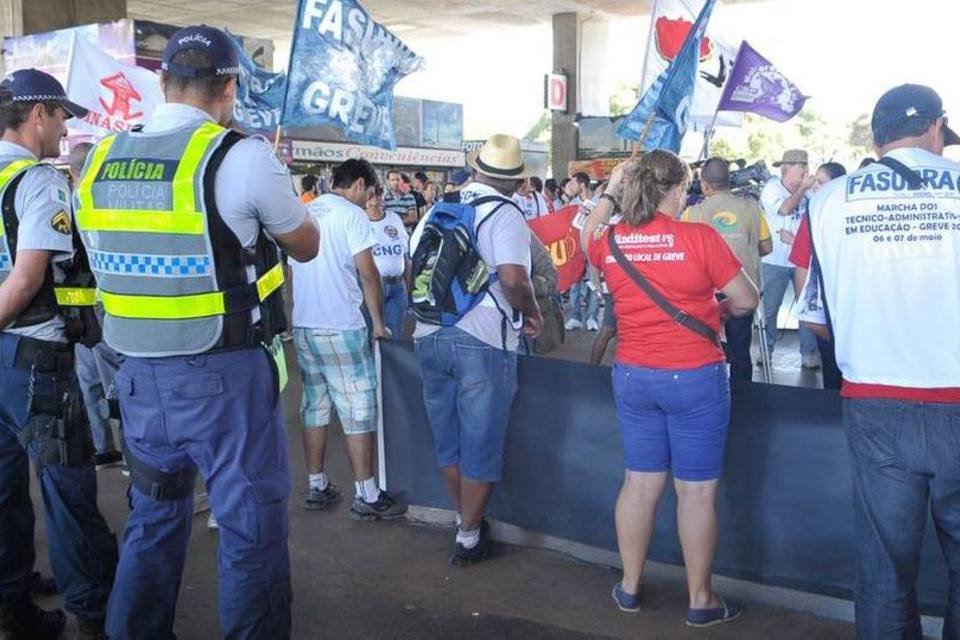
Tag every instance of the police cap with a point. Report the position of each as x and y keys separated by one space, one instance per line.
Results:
x=33 y=85
x=214 y=42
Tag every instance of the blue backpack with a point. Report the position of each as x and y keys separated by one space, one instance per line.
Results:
x=449 y=277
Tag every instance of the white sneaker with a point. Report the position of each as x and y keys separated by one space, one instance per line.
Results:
x=592 y=325
x=810 y=361
x=572 y=324
x=212 y=523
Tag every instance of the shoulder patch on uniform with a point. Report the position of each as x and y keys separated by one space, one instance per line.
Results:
x=61 y=222
x=59 y=194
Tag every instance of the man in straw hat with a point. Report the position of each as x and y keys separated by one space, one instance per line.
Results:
x=469 y=370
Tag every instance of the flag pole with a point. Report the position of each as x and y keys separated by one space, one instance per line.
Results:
x=642 y=141
x=276 y=139
x=646 y=53
x=708 y=134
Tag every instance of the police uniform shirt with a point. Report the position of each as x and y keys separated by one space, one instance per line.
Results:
x=890 y=258
x=390 y=254
x=772 y=196
x=252 y=187
x=42 y=205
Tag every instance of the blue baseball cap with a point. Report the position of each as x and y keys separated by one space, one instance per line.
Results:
x=214 y=42
x=33 y=85
x=901 y=106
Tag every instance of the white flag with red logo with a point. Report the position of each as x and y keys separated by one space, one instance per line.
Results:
x=119 y=96
x=672 y=21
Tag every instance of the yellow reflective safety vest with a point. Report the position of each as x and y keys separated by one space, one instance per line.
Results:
x=172 y=276
x=74 y=298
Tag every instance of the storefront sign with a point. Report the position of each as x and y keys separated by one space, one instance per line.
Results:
x=308 y=151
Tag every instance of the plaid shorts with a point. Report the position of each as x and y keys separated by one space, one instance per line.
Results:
x=337 y=369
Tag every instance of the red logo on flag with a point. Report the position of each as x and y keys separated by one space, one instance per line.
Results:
x=124 y=94
x=670 y=35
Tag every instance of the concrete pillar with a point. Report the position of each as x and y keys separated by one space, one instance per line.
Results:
x=566 y=48
x=23 y=17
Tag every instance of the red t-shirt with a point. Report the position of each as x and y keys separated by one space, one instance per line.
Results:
x=687 y=263
x=802 y=250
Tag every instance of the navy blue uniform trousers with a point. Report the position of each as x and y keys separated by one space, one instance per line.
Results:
x=83 y=551
x=219 y=413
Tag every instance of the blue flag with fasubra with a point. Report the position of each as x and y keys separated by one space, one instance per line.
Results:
x=661 y=116
x=343 y=68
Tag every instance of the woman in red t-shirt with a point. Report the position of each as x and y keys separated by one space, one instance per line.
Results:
x=670 y=381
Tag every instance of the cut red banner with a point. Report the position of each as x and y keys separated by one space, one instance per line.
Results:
x=557 y=234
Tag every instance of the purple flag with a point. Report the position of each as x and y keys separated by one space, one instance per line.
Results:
x=756 y=85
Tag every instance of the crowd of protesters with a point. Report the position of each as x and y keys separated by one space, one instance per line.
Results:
x=687 y=280
x=462 y=274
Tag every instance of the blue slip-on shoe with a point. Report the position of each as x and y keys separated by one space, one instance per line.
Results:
x=629 y=603
x=726 y=612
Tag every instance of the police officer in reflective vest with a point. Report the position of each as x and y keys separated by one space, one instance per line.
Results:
x=181 y=221
x=886 y=243
x=45 y=294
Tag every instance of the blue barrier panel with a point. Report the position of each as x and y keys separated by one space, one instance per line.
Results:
x=784 y=501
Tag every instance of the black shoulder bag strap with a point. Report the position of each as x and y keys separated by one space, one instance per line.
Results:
x=914 y=181
x=679 y=316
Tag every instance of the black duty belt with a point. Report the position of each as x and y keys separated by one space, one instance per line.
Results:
x=48 y=357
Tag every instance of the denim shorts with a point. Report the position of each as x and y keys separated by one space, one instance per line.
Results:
x=468 y=388
x=673 y=419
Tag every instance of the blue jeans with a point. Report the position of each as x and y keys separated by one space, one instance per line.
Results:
x=739 y=333
x=468 y=389
x=905 y=456
x=579 y=291
x=776 y=279
x=395 y=307
x=83 y=551
x=219 y=413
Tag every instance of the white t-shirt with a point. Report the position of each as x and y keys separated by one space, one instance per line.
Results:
x=392 y=243
x=326 y=290
x=503 y=239
x=533 y=205
x=891 y=269
x=771 y=198
x=43 y=193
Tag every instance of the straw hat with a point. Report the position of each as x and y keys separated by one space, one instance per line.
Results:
x=499 y=157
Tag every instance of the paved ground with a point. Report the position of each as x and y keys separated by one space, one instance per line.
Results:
x=359 y=580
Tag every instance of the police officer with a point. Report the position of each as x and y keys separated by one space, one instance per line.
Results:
x=41 y=413
x=182 y=220
x=886 y=240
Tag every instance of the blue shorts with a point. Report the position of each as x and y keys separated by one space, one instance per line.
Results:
x=468 y=388
x=673 y=419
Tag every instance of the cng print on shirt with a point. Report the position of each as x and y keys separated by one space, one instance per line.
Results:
x=392 y=245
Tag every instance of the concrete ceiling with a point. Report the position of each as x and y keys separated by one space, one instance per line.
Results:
x=414 y=18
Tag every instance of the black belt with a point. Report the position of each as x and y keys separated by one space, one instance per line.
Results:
x=392 y=279
x=49 y=357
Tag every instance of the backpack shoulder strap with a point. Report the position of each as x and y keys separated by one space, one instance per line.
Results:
x=914 y=181
x=679 y=316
